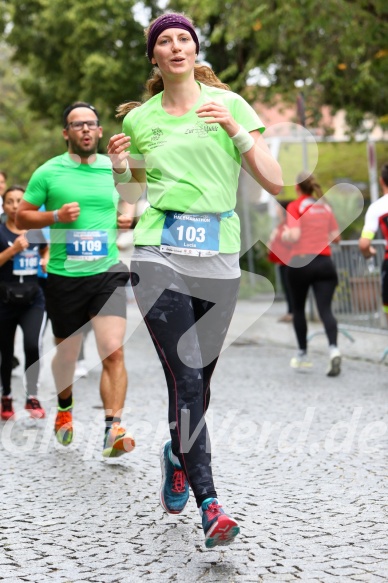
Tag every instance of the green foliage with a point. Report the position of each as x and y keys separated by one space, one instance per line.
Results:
x=91 y=50
x=65 y=50
x=26 y=141
x=336 y=160
x=3 y=15
x=336 y=51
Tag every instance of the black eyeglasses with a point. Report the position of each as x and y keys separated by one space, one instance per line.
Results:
x=79 y=125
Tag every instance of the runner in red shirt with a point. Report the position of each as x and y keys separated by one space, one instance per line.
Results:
x=311 y=227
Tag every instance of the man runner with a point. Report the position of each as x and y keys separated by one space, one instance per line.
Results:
x=86 y=281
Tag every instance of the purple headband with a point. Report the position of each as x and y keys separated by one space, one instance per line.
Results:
x=169 y=21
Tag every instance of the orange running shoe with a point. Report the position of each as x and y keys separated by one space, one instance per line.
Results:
x=63 y=428
x=117 y=441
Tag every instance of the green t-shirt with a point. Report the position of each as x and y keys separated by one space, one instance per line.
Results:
x=60 y=181
x=191 y=166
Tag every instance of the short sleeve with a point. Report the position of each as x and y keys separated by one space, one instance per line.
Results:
x=128 y=130
x=36 y=192
x=246 y=116
x=371 y=224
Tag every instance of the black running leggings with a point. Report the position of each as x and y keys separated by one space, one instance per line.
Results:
x=286 y=288
x=32 y=321
x=187 y=319
x=321 y=275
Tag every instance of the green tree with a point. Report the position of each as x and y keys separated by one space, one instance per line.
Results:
x=335 y=51
x=3 y=15
x=25 y=141
x=91 y=50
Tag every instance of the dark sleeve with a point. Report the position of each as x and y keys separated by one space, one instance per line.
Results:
x=3 y=241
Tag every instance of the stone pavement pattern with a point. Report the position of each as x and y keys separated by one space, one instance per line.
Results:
x=299 y=459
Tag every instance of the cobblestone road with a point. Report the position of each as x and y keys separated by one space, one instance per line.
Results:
x=299 y=459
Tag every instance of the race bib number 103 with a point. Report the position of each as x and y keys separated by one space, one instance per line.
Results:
x=196 y=235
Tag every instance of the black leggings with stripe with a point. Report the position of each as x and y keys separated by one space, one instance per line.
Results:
x=187 y=319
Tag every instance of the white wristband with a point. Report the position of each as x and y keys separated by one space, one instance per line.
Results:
x=55 y=216
x=243 y=140
x=123 y=177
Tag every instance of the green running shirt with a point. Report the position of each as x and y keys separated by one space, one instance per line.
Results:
x=60 y=181
x=191 y=166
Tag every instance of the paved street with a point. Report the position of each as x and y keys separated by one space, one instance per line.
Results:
x=299 y=459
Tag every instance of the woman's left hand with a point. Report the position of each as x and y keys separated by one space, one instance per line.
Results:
x=218 y=113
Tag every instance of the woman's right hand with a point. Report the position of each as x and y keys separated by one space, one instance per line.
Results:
x=117 y=146
x=20 y=243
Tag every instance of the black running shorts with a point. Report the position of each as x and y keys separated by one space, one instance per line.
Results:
x=72 y=301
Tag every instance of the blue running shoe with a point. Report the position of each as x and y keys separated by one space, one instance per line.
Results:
x=174 y=490
x=219 y=527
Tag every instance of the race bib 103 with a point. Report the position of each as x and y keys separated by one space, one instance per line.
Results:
x=196 y=235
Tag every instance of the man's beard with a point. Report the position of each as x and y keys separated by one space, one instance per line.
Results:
x=83 y=152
